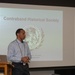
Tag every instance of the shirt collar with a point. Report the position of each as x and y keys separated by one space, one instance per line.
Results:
x=19 y=41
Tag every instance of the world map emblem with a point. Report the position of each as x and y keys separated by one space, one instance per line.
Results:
x=34 y=37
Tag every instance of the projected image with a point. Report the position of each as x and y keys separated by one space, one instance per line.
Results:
x=34 y=37
x=44 y=30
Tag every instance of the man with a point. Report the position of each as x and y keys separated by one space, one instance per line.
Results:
x=19 y=54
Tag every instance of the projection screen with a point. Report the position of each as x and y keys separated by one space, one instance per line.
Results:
x=49 y=32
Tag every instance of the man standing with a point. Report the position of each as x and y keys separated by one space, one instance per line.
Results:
x=19 y=54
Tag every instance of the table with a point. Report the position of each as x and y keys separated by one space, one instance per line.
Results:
x=7 y=67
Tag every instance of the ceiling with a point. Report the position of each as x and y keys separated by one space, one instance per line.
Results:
x=67 y=3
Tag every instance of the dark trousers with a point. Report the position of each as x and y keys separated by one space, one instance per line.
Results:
x=20 y=69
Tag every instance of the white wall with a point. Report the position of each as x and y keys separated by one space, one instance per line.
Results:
x=42 y=72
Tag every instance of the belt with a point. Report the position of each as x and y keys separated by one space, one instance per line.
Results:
x=19 y=63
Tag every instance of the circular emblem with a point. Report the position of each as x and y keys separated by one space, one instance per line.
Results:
x=34 y=37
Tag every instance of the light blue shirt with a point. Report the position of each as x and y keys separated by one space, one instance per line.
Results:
x=17 y=50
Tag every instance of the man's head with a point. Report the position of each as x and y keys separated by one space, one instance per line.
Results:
x=20 y=33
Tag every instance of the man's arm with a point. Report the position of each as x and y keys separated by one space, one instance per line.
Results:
x=27 y=58
x=11 y=54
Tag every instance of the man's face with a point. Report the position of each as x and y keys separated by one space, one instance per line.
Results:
x=22 y=35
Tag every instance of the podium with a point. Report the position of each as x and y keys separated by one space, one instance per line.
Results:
x=6 y=67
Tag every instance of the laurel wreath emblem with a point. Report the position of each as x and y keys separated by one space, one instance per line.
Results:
x=34 y=37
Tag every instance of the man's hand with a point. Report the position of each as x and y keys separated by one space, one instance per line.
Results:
x=25 y=59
